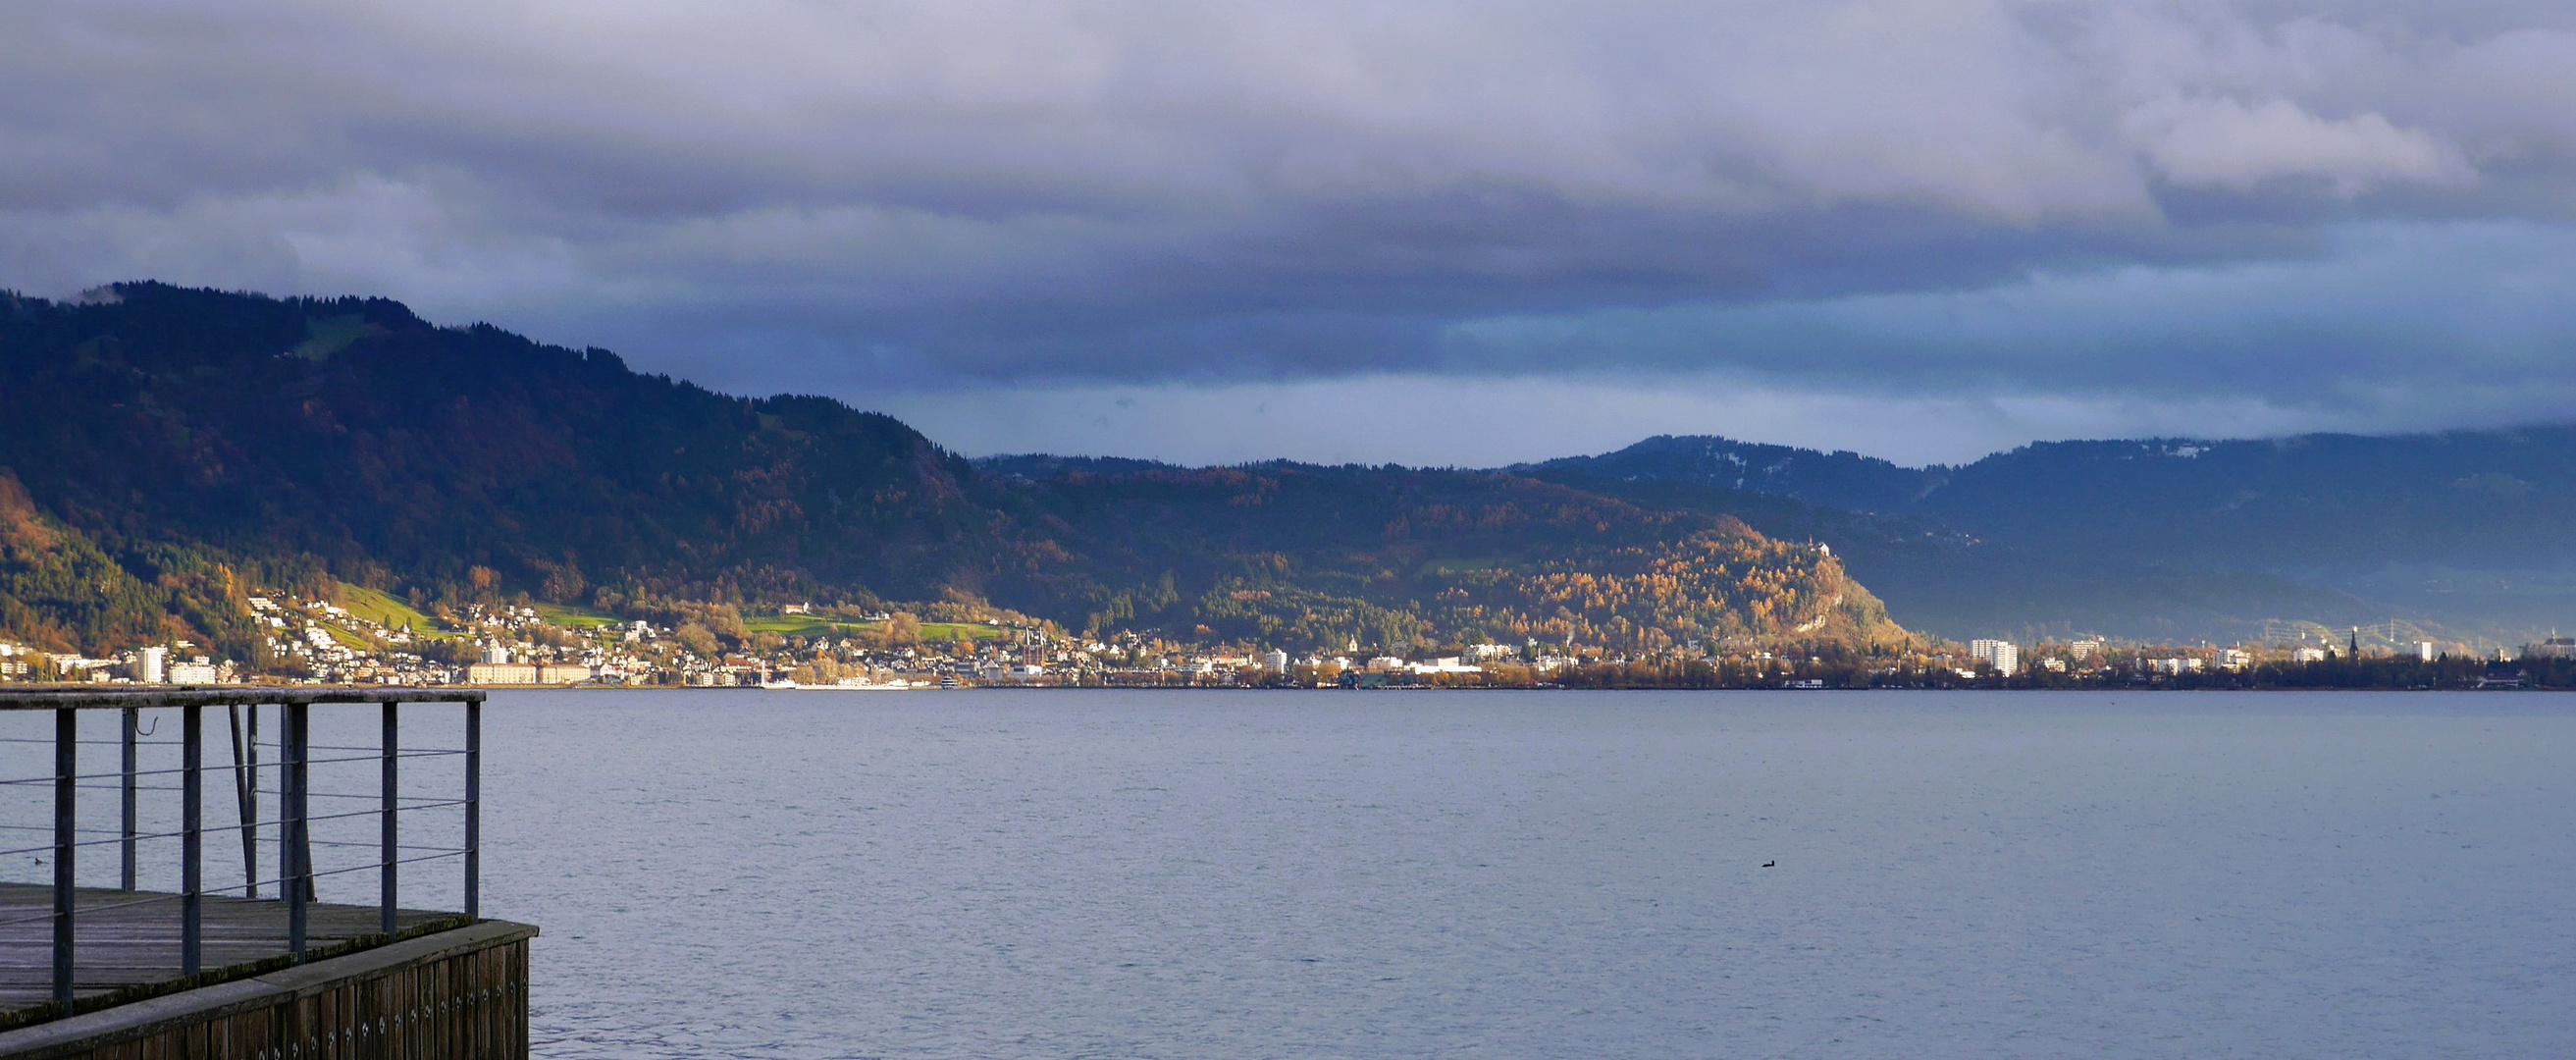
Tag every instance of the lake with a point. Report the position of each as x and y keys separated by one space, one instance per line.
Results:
x=1247 y=874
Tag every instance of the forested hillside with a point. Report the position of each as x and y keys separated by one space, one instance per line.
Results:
x=1302 y=554
x=167 y=451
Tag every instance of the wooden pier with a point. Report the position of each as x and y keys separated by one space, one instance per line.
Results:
x=443 y=988
x=94 y=973
x=128 y=949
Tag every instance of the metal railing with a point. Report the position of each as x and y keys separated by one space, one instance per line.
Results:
x=296 y=874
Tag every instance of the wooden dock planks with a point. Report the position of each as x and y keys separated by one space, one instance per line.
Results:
x=117 y=945
x=458 y=993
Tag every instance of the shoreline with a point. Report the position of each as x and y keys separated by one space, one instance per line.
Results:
x=598 y=688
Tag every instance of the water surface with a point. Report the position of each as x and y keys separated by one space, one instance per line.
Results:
x=1058 y=874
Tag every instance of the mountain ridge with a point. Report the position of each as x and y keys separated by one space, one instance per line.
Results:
x=167 y=446
x=203 y=441
x=2463 y=531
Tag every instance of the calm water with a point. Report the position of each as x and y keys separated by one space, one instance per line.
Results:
x=1538 y=875
x=1515 y=875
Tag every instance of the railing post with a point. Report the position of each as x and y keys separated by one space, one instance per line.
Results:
x=250 y=824
x=66 y=788
x=388 y=883
x=192 y=854
x=133 y=725
x=474 y=808
x=294 y=873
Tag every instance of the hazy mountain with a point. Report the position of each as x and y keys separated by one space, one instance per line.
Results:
x=1041 y=467
x=1839 y=479
x=2468 y=533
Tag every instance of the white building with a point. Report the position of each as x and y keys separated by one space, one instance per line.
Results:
x=2424 y=650
x=496 y=655
x=2084 y=649
x=150 y=665
x=563 y=673
x=501 y=673
x=2003 y=655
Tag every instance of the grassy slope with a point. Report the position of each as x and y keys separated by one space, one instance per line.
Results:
x=381 y=609
x=572 y=617
x=812 y=626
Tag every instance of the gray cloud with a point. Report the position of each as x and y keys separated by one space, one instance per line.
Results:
x=2382 y=307
x=2350 y=212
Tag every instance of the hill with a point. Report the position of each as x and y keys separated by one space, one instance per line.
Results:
x=1314 y=555
x=2460 y=533
x=172 y=450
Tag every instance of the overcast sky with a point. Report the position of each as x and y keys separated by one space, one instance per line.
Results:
x=1431 y=233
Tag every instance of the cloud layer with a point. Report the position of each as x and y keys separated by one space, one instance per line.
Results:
x=2356 y=214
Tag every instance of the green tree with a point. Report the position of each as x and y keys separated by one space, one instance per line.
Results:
x=697 y=639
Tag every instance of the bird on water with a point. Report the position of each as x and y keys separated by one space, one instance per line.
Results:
x=1769 y=864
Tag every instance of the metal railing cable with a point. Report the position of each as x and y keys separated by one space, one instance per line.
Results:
x=290 y=835
x=436 y=854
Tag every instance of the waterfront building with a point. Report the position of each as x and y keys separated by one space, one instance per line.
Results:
x=501 y=673
x=2003 y=655
x=150 y=663
x=563 y=674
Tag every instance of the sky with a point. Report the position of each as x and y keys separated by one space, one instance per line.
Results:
x=1429 y=233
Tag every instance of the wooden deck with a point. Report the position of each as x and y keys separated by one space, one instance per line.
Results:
x=134 y=949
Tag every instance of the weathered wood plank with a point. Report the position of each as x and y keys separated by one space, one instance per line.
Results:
x=119 y=945
x=431 y=996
